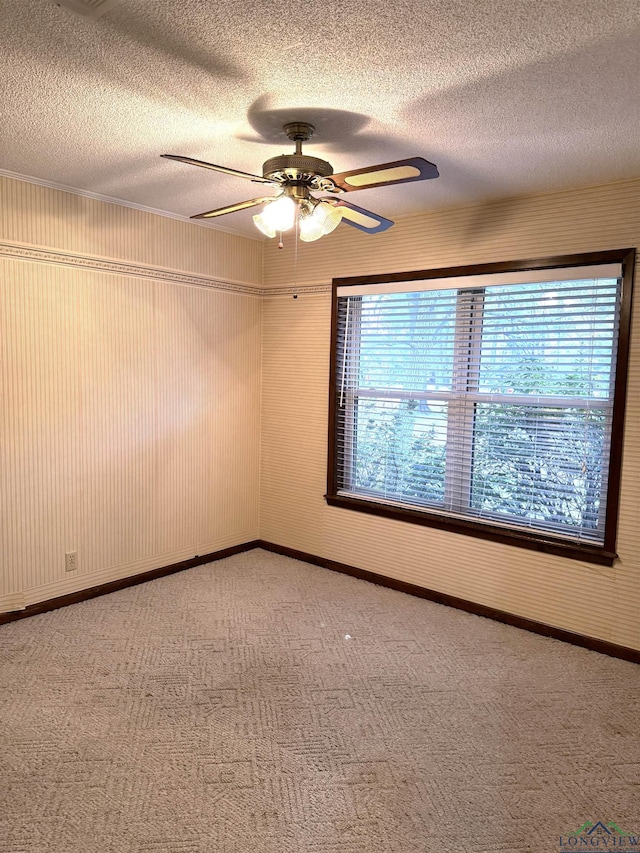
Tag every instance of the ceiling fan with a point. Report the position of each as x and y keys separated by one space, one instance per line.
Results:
x=297 y=176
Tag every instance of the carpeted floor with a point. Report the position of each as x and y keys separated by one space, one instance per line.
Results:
x=260 y=704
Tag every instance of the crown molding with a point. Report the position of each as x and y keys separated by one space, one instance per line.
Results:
x=48 y=256
x=52 y=185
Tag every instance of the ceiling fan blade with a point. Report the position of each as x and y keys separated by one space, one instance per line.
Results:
x=365 y=220
x=398 y=172
x=231 y=208
x=190 y=161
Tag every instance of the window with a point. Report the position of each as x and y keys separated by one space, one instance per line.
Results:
x=487 y=400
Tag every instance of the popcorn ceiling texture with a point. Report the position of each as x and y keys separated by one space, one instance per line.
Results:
x=508 y=97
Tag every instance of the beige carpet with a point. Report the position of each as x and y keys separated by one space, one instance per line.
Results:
x=262 y=704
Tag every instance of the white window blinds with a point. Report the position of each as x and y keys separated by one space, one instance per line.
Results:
x=491 y=400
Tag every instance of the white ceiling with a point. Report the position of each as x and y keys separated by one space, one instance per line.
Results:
x=507 y=97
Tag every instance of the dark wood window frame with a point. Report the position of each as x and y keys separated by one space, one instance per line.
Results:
x=604 y=554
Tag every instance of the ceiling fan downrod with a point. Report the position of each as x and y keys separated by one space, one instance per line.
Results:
x=298 y=168
x=299 y=132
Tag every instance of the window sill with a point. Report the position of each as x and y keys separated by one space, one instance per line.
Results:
x=504 y=535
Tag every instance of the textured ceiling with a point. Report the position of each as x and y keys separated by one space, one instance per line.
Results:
x=506 y=97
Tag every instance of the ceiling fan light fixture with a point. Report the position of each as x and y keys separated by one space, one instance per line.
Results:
x=310 y=229
x=331 y=216
x=278 y=215
x=264 y=226
x=322 y=219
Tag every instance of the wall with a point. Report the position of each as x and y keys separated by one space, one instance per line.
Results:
x=596 y=601
x=130 y=353
x=129 y=391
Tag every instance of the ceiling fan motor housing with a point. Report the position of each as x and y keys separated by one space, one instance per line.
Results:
x=295 y=167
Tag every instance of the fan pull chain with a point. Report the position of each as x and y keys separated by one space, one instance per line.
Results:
x=295 y=256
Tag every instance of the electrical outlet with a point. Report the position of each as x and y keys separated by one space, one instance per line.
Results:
x=71 y=561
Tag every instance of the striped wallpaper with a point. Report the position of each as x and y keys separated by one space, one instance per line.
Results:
x=593 y=600
x=162 y=395
x=34 y=215
x=129 y=391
